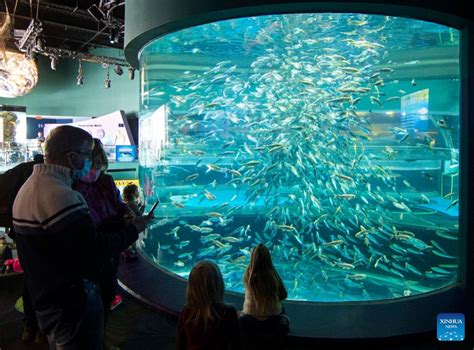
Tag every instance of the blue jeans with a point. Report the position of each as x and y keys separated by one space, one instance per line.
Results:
x=88 y=333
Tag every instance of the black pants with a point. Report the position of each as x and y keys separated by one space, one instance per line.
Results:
x=108 y=283
x=108 y=280
x=30 y=315
x=87 y=333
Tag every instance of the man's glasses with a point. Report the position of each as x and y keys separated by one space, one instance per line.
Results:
x=86 y=155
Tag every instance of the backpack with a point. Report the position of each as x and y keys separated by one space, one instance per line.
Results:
x=10 y=183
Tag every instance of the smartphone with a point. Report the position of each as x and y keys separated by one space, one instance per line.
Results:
x=153 y=208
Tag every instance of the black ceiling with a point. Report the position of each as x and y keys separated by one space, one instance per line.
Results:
x=67 y=24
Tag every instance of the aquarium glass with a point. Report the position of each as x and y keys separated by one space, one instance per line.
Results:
x=331 y=138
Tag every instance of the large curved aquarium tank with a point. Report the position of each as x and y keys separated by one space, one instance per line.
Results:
x=331 y=138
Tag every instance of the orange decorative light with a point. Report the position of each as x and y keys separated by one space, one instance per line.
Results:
x=18 y=75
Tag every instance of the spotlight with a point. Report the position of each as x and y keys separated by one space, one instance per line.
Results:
x=39 y=44
x=107 y=80
x=54 y=62
x=131 y=73
x=118 y=70
x=114 y=36
x=80 y=76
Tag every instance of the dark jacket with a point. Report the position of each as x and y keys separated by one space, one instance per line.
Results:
x=222 y=333
x=58 y=244
x=10 y=183
x=102 y=198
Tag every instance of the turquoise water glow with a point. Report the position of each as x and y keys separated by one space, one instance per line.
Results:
x=331 y=138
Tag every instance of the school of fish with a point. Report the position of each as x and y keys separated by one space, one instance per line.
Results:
x=281 y=155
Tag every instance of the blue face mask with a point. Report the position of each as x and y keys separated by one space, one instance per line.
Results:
x=78 y=174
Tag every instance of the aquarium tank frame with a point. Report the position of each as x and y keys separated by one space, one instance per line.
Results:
x=147 y=20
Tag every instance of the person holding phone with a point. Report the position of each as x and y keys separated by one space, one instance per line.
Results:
x=132 y=199
x=108 y=213
x=150 y=213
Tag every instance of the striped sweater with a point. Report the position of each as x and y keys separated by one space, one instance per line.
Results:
x=59 y=245
x=56 y=241
x=46 y=199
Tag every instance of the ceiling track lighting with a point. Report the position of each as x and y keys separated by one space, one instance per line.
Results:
x=114 y=36
x=118 y=70
x=107 y=79
x=39 y=44
x=30 y=36
x=131 y=73
x=80 y=76
x=111 y=36
x=54 y=62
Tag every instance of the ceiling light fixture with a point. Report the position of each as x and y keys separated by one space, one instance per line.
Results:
x=54 y=62
x=131 y=73
x=118 y=70
x=114 y=36
x=80 y=76
x=19 y=74
x=107 y=79
x=39 y=44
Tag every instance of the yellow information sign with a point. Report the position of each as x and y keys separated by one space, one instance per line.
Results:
x=123 y=183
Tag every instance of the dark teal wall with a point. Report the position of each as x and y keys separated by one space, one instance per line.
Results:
x=57 y=93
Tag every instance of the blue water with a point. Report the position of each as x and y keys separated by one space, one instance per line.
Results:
x=442 y=205
x=331 y=138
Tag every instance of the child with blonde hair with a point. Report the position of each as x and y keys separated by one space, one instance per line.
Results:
x=263 y=322
x=264 y=288
x=206 y=322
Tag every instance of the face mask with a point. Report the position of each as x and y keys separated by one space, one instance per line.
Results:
x=91 y=176
x=78 y=174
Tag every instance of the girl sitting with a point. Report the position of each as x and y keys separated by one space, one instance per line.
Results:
x=263 y=321
x=206 y=322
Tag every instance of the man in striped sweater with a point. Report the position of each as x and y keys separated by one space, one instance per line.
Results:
x=54 y=229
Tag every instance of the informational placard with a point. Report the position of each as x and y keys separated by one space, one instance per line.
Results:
x=126 y=153
x=35 y=123
x=112 y=129
x=415 y=111
x=122 y=183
